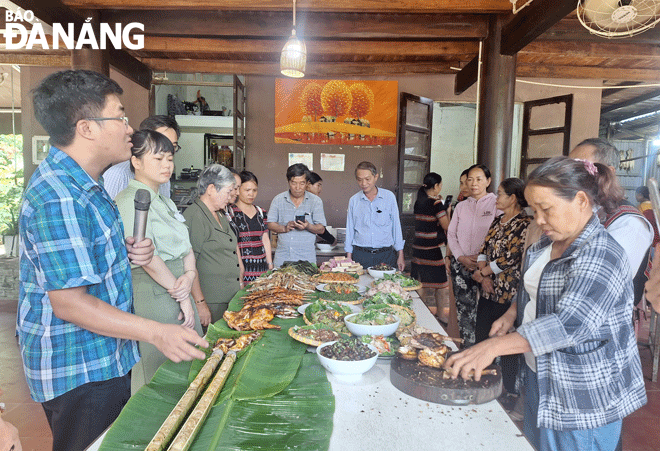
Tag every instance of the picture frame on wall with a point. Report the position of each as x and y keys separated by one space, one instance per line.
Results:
x=40 y=147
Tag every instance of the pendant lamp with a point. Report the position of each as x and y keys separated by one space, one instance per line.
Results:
x=294 y=53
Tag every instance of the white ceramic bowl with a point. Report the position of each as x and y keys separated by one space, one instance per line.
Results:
x=363 y=329
x=346 y=369
x=324 y=247
x=377 y=274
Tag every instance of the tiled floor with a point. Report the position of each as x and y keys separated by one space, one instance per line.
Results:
x=640 y=430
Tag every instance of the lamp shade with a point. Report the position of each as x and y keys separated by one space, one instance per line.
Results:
x=294 y=57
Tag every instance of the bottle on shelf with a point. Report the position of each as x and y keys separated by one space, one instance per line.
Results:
x=227 y=156
x=213 y=152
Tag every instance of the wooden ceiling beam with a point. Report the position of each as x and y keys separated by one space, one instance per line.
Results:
x=585 y=72
x=431 y=6
x=56 y=12
x=525 y=26
x=626 y=103
x=31 y=58
x=316 y=70
x=570 y=29
x=581 y=49
x=531 y=22
x=257 y=24
x=318 y=47
x=612 y=91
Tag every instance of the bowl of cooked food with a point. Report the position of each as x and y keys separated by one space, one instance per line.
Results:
x=347 y=359
x=323 y=247
x=379 y=271
x=372 y=322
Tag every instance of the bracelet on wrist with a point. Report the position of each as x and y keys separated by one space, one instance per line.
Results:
x=200 y=301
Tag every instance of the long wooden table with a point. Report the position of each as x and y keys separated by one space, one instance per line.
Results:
x=372 y=415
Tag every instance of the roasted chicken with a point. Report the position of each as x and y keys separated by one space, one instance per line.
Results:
x=236 y=344
x=250 y=319
x=432 y=357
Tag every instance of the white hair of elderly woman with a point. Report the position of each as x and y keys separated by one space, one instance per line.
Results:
x=217 y=175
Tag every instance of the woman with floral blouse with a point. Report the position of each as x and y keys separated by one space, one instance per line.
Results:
x=498 y=267
x=498 y=263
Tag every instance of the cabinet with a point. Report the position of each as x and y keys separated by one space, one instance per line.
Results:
x=192 y=140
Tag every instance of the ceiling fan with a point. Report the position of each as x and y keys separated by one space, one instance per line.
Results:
x=618 y=18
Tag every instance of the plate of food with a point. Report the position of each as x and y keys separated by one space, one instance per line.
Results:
x=315 y=334
x=354 y=298
x=335 y=277
x=372 y=322
x=380 y=270
x=328 y=313
x=405 y=314
x=301 y=309
x=341 y=288
x=387 y=298
x=407 y=283
x=386 y=346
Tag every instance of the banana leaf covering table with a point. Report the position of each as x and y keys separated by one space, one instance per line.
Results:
x=314 y=411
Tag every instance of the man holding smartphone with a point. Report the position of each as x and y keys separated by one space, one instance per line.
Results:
x=296 y=216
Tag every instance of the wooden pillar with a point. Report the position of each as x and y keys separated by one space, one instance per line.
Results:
x=496 y=100
x=90 y=59
x=87 y=57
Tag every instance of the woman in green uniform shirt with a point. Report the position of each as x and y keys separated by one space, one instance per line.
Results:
x=214 y=243
x=161 y=290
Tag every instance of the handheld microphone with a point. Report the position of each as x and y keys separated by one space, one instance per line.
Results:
x=141 y=202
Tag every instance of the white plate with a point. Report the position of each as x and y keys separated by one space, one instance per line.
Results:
x=322 y=287
x=302 y=308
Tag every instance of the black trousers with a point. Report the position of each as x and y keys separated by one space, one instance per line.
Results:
x=79 y=416
x=487 y=313
x=368 y=258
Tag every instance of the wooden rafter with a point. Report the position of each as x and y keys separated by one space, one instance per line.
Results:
x=525 y=26
x=317 y=70
x=431 y=6
x=314 y=47
x=626 y=103
x=271 y=24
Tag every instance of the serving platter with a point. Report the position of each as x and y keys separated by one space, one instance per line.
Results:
x=361 y=289
x=426 y=383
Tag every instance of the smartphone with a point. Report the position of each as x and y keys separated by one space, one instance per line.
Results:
x=448 y=200
x=300 y=218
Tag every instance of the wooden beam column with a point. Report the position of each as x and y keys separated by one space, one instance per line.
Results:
x=90 y=59
x=87 y=57
x=496 y=100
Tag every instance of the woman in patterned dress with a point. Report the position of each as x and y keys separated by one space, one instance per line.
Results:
x=251 y=220
x=499 y=264
x=431 y=223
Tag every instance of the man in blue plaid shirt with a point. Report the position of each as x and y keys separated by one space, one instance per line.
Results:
x=75 y=324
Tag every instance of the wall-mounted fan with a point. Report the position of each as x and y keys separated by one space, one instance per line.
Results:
x=618 y=18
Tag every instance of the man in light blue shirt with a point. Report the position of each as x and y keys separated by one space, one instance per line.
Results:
x=296 y=216
x=373 y=227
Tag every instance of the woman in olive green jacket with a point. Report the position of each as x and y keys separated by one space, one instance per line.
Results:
x=214 y=243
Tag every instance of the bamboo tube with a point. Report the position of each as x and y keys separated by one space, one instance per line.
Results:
x=178 y=413
x=191 y=427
